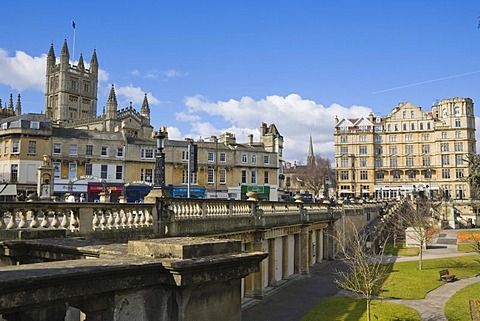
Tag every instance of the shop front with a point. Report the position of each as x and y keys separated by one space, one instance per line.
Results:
x=182 y=191
x=114 y=190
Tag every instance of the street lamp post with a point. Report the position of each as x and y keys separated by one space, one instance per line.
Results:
x=158 y=190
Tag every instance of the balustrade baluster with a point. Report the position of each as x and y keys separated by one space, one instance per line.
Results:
x=55 y=223
x=110 y=219
x=23 y=220
x=2 y=222
x=13 y=221
x=64 y=222
x=130 y=219
x=124 y=218
x=148 y=216
x=95 y=220
x=73 y=221
x=45 y=221
x=34 y=222
x=118 y=220
x=103 y=220
x=136 y=218
x=142 y=217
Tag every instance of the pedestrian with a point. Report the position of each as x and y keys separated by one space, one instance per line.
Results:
x=70 y=198
x=82 y=198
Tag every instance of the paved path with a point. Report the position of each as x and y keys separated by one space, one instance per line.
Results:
x=292 y=301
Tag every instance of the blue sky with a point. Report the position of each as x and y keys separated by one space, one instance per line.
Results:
x=215 y=66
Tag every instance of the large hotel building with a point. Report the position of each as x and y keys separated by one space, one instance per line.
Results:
x=407 y=150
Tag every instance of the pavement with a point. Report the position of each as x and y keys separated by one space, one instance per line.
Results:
x=290 y=301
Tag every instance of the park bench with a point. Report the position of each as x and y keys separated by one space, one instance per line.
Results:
x=446 y=276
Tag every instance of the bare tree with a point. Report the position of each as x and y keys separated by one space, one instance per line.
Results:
x=419 y=216
x=365 y=272
x=473 y=177
x=315 y=174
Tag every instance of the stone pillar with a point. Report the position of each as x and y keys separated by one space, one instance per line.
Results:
x=328 y=242
x=304 y=250
x=257 y=278
x=285 y=257
x=318 y=246
x=296 y=253
x=85 y=218
x=271 y=262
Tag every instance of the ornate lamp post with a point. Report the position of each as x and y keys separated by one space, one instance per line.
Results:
x=159 y=190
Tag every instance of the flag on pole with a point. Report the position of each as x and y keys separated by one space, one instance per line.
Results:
x=73 y=24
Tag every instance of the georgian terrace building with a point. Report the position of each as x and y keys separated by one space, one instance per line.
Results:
x=407 y=150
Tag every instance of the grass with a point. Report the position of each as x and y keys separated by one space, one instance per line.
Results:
x=401 y=250
x=340 y=308
x=466 y=239
x=405 y=281
x=457 y=308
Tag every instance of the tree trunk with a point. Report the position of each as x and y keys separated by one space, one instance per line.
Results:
x=368 y=309
x=421 y=256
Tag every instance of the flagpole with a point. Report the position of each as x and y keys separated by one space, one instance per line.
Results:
x=73 y=50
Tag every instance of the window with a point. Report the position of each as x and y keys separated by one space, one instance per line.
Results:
x=222 y=176
x=89 y=150
x=426 y=160
x=428 y=174
x=88 y=169
x=393 y=162
x=378 y=138
x=380 y=174
x=104 y=171
x=445 y=160
x=412 y=126
x=363 y=162
x=458 y=146
x=396 y=175
x=149 y=153
x=421 y=126
x=458 y=134
x=14 y=172
x=223 y=157
x=119 y=172
x=412 y=174
x=409 y=137
x=459 y=173
x=460 y=191
x=266 y=159
x=56 y=169
x=456 y=111
x=393 y=138
x=458 y=123
x=378 y=128
x=344 y=175
x=445 y=173
x=193 y=177
x=378 y=162
x=57 y=148
x=32 y=147
x=412 y=114
x=458 y=159
x=211 y=157
x=363 y=128
x=404 y=127
x=254 y=177
x=104 y=151
x=211 y=175
x=343 y=150
x=393 y=150
x=363 y=175
x=149 y=175
x=34 y=125
x=378 y=150
x=72 y=170
x=119 y=151
x=404 y=114
x=425 y=149
x=425 y=137
x=254 y=158
x=363 y=150
x=343 y=139
x=73 y=149
x=244 y=158
x=428 y=125
x=244 y=177
x=15 y=147
x=409 y=149
x=363 y=138
x=265 y=178
x=444 y=135
x=344 y=162
x=409 y=161
x=444 y=147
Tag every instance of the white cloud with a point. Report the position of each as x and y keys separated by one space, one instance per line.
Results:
x=184 y=117
x=296 y=119
x=130 y=93
x=22 y=71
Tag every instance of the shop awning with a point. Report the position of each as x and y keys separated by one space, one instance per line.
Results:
x=8 y=189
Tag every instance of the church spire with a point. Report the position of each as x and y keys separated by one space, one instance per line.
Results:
x=81 y=65
x=311 y=156
x=10 y=105
x=94 y=62
x=112 y=104
x=18 y=109
x=51 y=56
x=145 y=110
x=64 y=54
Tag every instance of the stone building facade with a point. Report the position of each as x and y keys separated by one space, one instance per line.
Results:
x=407 y=150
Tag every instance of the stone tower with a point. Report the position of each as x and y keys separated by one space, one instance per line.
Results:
x=310 y=156
x=70 y=90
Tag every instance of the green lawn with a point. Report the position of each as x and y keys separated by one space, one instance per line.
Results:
x=340 y=308
x=400 y=250
x=457 y=308
x=405 y=281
